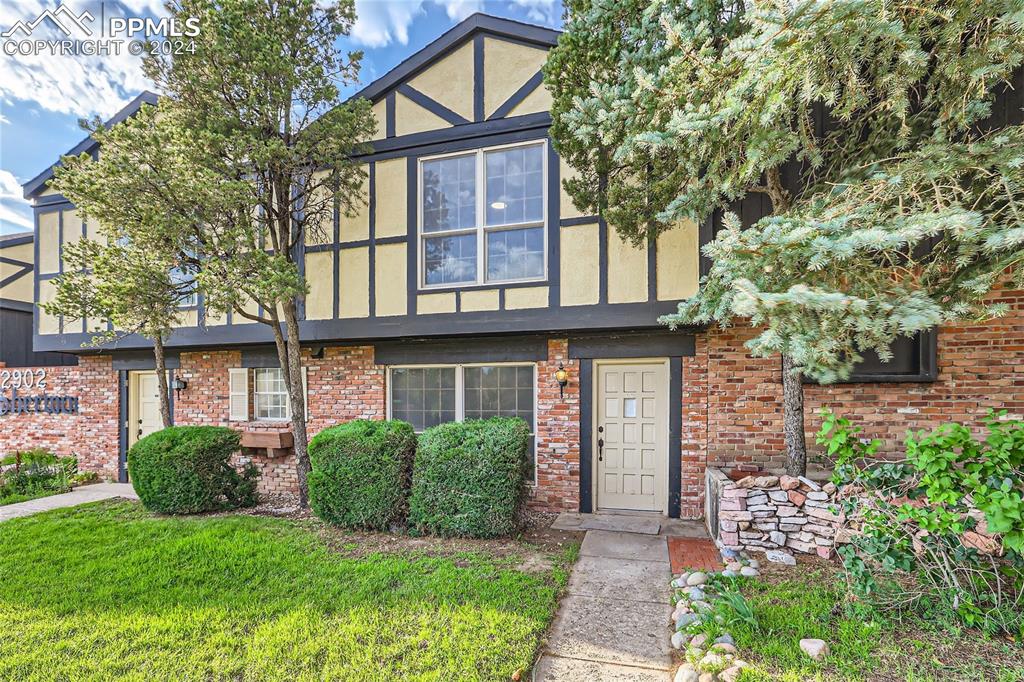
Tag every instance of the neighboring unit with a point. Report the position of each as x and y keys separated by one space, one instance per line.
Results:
x=467 y=281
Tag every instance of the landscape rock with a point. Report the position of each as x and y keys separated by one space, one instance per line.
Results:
x=696 y=594
x=699 y=640
x=724 y=648
x=817 y=649
x=696 y=578
x=730 y=674
x=686 y=619
x=796 y=497
x=809 y=483
x=789 y=482
x=725 y=639
x=734 y=566
x=780 y=557
x=686 y=673
x=677 y=639
x=729 y=574
x=754 y=563
x=707 y=677
x=749 y=572
x=713 y=660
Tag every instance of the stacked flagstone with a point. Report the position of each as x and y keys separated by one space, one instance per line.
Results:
x=765 y=513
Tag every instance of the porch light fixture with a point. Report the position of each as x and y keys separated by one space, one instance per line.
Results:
x=179 y=385
x=562 y=377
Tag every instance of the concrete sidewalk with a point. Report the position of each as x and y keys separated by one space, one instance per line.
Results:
x=613 y=623
x=82 y=495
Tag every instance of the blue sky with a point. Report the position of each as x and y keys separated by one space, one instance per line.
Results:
x=42 y=98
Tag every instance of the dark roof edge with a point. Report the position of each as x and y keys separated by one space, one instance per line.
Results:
x=479 y=22
x=16 y=239
x=87 y=144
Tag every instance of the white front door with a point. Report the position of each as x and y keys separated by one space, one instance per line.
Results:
x=631 y=436
x=144 y=412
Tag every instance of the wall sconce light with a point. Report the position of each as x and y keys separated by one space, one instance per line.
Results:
x=179 y=385
x=562 y=377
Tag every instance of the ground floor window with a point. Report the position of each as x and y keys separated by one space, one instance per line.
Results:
x=428 y=396
x=270 y=395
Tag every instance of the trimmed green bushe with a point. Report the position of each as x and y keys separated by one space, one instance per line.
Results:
x=187 y=470
x=469 y=478
x=361 y=473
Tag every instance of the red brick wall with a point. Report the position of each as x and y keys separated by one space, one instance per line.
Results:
x=558 y=433
x=341 y=386
x=980 y=367
x=91 y=435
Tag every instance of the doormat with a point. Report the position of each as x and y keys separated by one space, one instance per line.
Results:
x=687 y=554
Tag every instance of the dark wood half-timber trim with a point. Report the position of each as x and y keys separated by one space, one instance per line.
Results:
x=602 y=261
x=518 y=96
x=372 y=247
x=456 y=351
x=389 y=114
x=675 y=435
x=569 y=321
x=652 y=269
x=652 y=344
x=412 y=251
x=431 y=105
x=478 y=78
x=122 y=431
x=442 y=140
x=141 y=360
x=581 y=220
x=586 y=435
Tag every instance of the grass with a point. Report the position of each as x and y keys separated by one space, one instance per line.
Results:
x=108 y=591
x=809 y=601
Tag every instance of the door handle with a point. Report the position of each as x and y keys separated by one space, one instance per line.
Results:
x=600 y=449
x=140 y=433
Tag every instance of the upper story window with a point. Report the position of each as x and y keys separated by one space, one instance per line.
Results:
x=180 y=276
x=483 y=216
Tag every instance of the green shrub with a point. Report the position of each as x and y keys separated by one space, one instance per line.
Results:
x=914 y=518
x=35 y=473
x=361 y=471
x=187 y=470
x=469 y=478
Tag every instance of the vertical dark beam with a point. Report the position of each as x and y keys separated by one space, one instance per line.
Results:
x=336 y=250
x=602 y=261
x=652 y=270
x=35 y=272
x=60 y=259
x=586 y=435
x=122 y=426
x=170 y=393
x=554 y=231
x=372 y=233
x=705 y=235
x=389 y=114
x=675 y=435
x=412 y=239
x=478 y=78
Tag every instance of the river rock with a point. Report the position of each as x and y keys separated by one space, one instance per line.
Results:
x=686 y=673
x=779 y=557
x=817 y=649
x=696 y=578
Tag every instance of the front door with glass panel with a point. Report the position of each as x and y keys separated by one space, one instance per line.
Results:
x=144 y=407
x=631 y=436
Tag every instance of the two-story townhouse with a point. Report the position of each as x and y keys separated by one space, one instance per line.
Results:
x=464 y=286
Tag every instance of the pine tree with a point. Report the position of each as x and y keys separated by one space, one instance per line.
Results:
x=894 y=183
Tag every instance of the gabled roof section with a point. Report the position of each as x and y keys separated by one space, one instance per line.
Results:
x=38 y=183
x=455 y=36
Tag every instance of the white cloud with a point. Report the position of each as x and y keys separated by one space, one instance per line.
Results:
x=4 y=119
x=543 y=11
x=382 y=22
x=15 y=211
x=79 y=85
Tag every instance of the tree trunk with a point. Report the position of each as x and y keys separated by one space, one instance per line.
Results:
x=793 y=418
x=289 y=353
x=161 y=381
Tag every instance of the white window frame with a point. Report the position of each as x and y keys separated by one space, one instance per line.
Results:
x=460 y=393
x=481 y=229
x=178 y=275
x=253 y=382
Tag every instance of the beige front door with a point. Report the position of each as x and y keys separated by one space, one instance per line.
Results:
x=144 y=406
x=631 y=436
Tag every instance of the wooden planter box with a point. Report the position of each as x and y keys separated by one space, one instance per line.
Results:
x=268 y=443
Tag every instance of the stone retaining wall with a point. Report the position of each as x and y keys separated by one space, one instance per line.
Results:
x=762 y=513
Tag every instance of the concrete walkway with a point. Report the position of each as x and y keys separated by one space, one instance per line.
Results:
x=613 y=623
x=86 y=493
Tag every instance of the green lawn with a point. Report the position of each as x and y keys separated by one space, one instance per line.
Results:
x=108 y=591
x=805 y=602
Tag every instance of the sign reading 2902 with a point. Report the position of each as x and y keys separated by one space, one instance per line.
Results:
x=34 y=380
